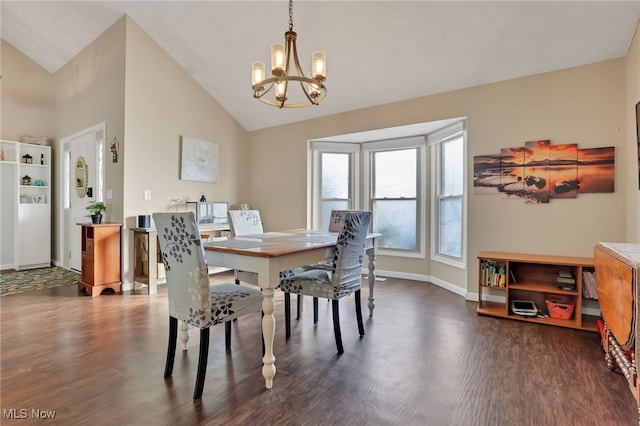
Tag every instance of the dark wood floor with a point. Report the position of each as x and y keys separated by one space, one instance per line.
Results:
x=427 y=359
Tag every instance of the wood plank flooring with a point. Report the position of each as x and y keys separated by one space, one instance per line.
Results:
x=426 y=359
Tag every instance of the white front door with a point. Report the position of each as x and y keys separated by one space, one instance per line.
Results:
x=84 y=184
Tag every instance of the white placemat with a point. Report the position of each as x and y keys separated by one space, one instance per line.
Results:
x=239 y=244
x=320 y=239
x=266 y=235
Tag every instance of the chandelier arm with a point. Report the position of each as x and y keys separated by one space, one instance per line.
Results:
x=315 y=92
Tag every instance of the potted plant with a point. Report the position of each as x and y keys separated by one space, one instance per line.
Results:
x=96 y=210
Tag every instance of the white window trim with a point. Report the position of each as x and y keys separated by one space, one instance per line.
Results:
x=316 y=149
x=434 y=140
x=418 y=142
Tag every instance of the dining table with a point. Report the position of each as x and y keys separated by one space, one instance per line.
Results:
x=269 y=253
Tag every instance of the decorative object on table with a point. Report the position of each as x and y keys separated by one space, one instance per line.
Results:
x=39 y=182
x=144 y=221
x=313 y=89
x=38 y=199
x=114 y=147
x=27 y=159
x=96 y=210
x=186 y=269
x=26 y=180
x=200 y=161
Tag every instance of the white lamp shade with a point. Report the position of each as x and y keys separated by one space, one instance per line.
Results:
x=257 y=72
x=318 y=65
x=277 y=57
x=280 y=87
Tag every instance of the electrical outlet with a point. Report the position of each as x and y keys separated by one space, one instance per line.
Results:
x=147 y=194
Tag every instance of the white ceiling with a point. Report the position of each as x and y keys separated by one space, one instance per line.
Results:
x=377 y=51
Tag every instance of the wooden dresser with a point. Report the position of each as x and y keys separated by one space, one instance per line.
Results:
x=616 y=266
x=100 y=258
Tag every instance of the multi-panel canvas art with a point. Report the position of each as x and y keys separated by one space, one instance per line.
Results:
x=540 y=171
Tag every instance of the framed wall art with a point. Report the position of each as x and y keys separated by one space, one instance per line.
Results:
x=200 y=160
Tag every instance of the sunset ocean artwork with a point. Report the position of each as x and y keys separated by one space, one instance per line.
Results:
x=540 y=171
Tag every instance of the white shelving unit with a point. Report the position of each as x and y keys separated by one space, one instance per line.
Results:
x=25 y=215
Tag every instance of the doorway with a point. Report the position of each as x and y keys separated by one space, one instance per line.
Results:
x=82 y=184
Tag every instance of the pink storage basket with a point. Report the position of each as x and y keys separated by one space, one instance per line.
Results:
x=559 y=306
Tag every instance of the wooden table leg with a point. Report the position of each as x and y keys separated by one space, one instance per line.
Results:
x=268 y=332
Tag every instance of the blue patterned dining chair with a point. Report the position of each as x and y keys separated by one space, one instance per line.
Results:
x=191 y=298
x=344 y=278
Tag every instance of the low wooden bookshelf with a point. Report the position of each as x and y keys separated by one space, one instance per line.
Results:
x=534 y=278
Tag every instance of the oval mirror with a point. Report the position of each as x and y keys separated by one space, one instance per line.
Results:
x=82 y=175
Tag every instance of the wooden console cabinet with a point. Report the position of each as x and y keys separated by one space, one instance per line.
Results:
x=617 y=266
x=100 y=258
x=535 y=279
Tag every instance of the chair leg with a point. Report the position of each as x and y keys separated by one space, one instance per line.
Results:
x=227 y=335
x=359 y=313
x=287 y=315
x=299 y=306
x=336 y=326
x=171 y=349
x=202 y=363
x=315 y=310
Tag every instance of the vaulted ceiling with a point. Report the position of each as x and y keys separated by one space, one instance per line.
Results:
x=377 y=51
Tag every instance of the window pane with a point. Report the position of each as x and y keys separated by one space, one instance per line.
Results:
x=396 y=221
x=335 y=175
x=327 y=206
x=452 y=167
x=395 y=174
x=451 y=227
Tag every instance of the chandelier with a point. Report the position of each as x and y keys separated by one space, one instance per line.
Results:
x=274 y=90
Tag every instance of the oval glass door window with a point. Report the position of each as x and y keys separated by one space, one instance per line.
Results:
x=82 y=176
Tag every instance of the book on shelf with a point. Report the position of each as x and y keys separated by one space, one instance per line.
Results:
x=492 y=275
x=565 y=274
x=589 y=286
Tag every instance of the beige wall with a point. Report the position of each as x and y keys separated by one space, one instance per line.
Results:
x=583 y=105
x=148 y=101
x=162 y=103
x=27 y=97
x=631 y=160
x=89 y=91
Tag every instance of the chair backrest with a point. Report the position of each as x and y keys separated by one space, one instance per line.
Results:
x=245 y=222
x=337 y=219
x=347 y=260
x=186 y=268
